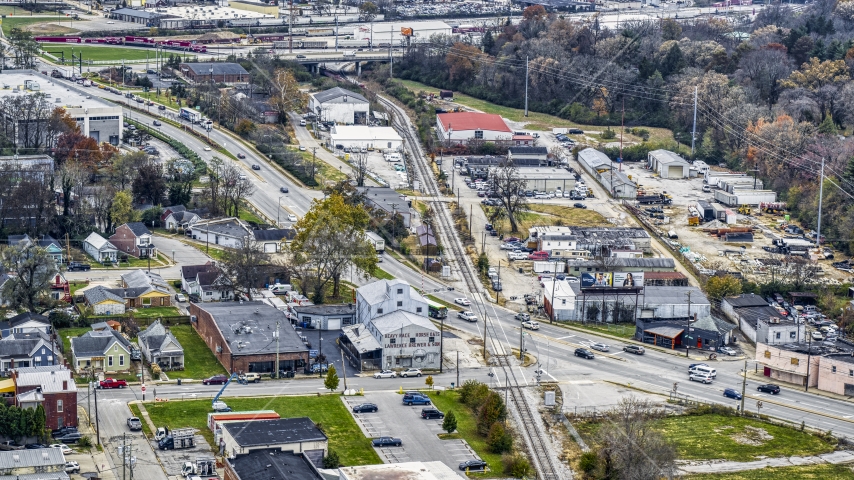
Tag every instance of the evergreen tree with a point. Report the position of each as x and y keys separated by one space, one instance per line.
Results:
x=499 y=440
x=331 y=381
x=450 y=422
x=827 y=126
x=488 y=42
x=673 y=62
x=331 y=460
x=39 y=420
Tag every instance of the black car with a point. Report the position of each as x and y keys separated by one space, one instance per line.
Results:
x=284 y=190
x=84 y=267
x=769 y=388
x=255 y=166
x=240 y=155
x=34 y=446
x=584 y=353
x=162 y=107
x=63 y=430
x=580 y=205
x=387 y=442
x=71 y=437
x=429 y=413
x=473 y=465
x=575 y=131
x=194 y=297
x=365 y=407
x=156 y=123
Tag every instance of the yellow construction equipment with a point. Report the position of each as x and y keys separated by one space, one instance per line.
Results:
x=744 y=210
x=693 y=221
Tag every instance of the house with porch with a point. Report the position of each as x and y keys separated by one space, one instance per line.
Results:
x=103 y=301
x=134 y=239
x=160 y=347
x=100 y=249
x=31 y=349
x=182 y=220
x=144 y=289
x=105 y=350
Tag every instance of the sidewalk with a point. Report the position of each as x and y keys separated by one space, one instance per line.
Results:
x=95 y=460
x=723 y=466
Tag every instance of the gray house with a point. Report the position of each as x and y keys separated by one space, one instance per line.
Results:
x=31 y=349
x=160 y=347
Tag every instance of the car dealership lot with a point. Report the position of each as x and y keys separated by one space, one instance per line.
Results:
x=419 y=436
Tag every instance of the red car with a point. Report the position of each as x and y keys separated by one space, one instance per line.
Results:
x=112 y=383
x=540 y=255
x=215 y=380
x=511 y=239
x=240 y=155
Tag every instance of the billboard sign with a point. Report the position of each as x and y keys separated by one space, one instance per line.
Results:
x=612 y=279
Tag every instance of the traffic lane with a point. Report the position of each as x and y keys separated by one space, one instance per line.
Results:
x=112 y=422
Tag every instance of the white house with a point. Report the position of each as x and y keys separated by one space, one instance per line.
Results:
x=359 y=136
x=225 y=232
x=100 y=248
x=160 y=347
x=386 y=296
x=182 y=219
x=408 y=340
x=339 y=106
x=467 y=126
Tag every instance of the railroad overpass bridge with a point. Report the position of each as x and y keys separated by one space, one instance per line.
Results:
x=313 y=60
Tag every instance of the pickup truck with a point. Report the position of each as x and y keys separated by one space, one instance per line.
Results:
x=134 y=423
x=112 y=383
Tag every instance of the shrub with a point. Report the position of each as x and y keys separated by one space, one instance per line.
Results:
x=499 y=439
x=473 y=392
x=331 y=460
x=516 y=465
x=491 y=410
x=588 y=462
x=608 y=134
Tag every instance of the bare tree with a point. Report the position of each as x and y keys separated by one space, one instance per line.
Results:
x=510 y=187
x=242 y=268
x=360 y=167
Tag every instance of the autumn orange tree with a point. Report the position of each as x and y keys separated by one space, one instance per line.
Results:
x=462 y=61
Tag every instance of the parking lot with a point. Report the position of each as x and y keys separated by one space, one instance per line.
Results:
x=173 y=460
x=392 y=172
x=420 y=437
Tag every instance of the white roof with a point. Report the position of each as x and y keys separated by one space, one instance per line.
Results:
x=561 y=290
x=376 y=292
x=666 y=156
x=99 y=242
x=41 y=457
x=341 y=133
x=405 y=470
x=61 y=95
x=48 y=377
x=394 y=321
x=361 y=338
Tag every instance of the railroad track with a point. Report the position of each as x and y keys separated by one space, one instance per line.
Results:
x=544 y=463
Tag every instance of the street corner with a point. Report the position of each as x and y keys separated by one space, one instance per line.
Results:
x=92 y=464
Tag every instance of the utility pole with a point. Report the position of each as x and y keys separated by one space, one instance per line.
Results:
x=122 y=451
x=809 y=359
x=291 y=27
x=820 y=197
x=391 y=53
x=441 y=344
x=97 y=424
x=343 y=369
x=526 y=86
x=277 y=349
x=687 y=324
x=521 y=343
x=744 y=385
x=458 y=368
x=694 y=130
x=336 y=33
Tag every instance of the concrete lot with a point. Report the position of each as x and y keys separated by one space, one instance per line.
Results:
x=386 y=170
x=419 y=436
x=172 y=460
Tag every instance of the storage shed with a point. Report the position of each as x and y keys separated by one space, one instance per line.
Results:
x=668 y=164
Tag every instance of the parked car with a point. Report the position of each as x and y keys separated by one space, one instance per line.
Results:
x=72 y=467
x=385 y=374
x=134 y=424
x=253 y=377
x=34 y=446
x=700 y=377
x=179 y=297
x=112 y=383
x=531 y=325
x=215 y=380
x=71 y=437
x=727 y=351
x=65 y=449
x=473 y=465
x=539 y=255
x=319 y=368
x=411 y=372
x=816 y=335
x=636 y=349
x=584 y=353
x=292 y=217
x=365 y=407
x=387 y=442
x=600 y=346
x=462 y=301
x=469 y=316
x=75 y=266
x=731 y=393
x=416 y=400
x=63 y=431
x=579 y=205
x=429 y=413
x=769 y=388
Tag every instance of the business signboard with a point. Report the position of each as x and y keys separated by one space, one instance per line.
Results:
x=612 y=279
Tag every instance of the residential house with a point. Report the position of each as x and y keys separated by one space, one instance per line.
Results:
x=160 y=347
x=389 y=201
x=274 y=239
x=226 y=232
x=103 y=301
x=50 y=244
x=134 y=239
x=386 y=296
x=180 y=220
x=25 y=323
x=325 y=317
x=105 y=350
x=51 y=386
x=42 y=463
x=427 y=242
x=100 y=249
x=31 y=349
x=170 y=210
x=214 y=287
x=144 y=289
x=189 y=276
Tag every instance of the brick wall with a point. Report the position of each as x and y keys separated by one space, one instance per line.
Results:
x=125 y=240
x=51 y=400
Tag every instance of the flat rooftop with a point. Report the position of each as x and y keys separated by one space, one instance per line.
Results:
x=400 y=471
x=210 y=12
x=540 y=173
x=274 y=432
x=273 y=464
x=248 y=328
x=59 y=94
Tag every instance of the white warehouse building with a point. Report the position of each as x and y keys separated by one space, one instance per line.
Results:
x=96 y=118
x=382 y=33
x=361 y=136
x=668 y=164
x=340 y=106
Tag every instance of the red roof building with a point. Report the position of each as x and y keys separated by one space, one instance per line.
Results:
x=472 y=126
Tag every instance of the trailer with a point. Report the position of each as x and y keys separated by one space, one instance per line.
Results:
x=58 y=39
x=377 y=241
x=560 y=131
x=657 y=199
x=190 y=115
x=738 y=198
x=320 y=32
x=550 y=267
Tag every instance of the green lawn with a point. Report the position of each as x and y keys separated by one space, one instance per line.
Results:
x=155 y=312
x=248 y=216
x=162 y=98
x=382 y=274
x=622 y=331
x=23 y=22
x=328 y=411
x=10 y=11
x=65 y=334
x=107 y=52
x=134 y=408
x=705 y=437
x=467 y=428
x=199 y=360
x=74 y=286
x=806 y=472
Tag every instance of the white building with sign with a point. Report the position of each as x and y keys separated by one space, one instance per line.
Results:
x=407 y=340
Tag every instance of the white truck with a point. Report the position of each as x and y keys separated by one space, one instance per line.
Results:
x=203 y=466
x=178 y=438
x=350 y=54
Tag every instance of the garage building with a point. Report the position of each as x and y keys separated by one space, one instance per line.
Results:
x=339 y=106
x=361 y=136
x=297 y=435
x=668 y=164
x=325 y=317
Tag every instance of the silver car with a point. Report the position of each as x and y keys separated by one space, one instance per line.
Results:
x=600 y=346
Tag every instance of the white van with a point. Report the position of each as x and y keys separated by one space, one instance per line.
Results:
x=302 y=123
x=810 y=309
x=704 y=370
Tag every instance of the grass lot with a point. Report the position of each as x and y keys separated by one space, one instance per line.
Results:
x=568 y=215
x=74 y=286
x=382 y=274
x=325 y=171
x=16 y=11
x=248 y=216
x=451 y=306
x=622 y=331
x=345 y=438
x=710 y=436
x=535 y=120
x=66 y=333
x=806 y=472
x=162 y=98
x=134 y=408
x=30 y=23
x=155 y=312
x=467 y=428
x=199 y=360
x=107 y=52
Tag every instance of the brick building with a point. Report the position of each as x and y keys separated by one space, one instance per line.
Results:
x=51 y=386
x=241 y=335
